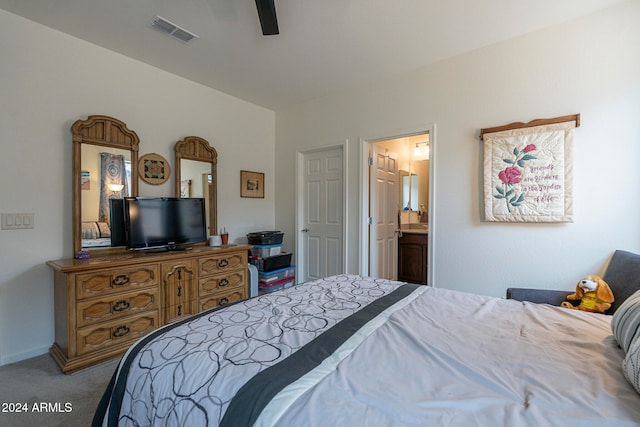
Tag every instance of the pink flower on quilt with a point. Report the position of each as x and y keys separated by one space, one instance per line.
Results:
x=510 y=175
x=513 y=175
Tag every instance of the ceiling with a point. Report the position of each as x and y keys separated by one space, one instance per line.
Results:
x=323 y=46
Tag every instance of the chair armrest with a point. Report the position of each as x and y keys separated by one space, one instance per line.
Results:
x=538 y=296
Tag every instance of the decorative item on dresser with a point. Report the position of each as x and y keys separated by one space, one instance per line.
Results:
x=103 y=304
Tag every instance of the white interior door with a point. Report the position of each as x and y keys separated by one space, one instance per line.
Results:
x=323 y=222
x=384 y=201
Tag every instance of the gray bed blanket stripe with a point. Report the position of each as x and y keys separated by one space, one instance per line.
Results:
x=266 y=384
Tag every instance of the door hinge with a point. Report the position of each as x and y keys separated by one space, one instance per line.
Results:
x=370 y=220
x=370 y=161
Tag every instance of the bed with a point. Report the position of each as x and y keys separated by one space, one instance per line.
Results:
x=95 y=234
x=349 y=350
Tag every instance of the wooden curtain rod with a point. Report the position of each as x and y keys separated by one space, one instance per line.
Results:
x=537 y=122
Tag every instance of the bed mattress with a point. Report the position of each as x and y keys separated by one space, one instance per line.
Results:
x=351 y=350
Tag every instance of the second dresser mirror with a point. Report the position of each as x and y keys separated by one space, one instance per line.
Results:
x=195 y=175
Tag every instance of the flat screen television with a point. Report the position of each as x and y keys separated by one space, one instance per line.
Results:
x=164 y=222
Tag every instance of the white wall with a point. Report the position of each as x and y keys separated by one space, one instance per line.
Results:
x=589 y=66
x=48 y=80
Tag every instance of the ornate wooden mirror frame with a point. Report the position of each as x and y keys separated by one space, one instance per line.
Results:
x=106 y=132
x=198 y=149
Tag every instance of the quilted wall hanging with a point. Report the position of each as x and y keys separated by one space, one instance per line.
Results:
x=528 y=170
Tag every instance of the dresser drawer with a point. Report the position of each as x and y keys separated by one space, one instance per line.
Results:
x=220 y=283
x=116 y=306
x=173 y=313
x=216 y=300
x=119 y=331
x=221 y=263
x=106 y=282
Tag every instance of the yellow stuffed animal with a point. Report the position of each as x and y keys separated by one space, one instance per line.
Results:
x=593 y=293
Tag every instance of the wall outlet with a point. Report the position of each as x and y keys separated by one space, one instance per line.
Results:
x=17 y=221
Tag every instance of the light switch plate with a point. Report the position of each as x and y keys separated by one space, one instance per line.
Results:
x=17 y=221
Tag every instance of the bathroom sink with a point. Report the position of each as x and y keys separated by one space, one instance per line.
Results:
x=414 y=227
x=419 y=226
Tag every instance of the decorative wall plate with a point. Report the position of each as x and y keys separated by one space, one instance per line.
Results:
x=154 y=169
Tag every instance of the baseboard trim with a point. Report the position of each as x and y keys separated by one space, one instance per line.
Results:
x=18 y=357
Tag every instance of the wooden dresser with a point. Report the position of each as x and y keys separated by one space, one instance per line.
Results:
x=105 y=303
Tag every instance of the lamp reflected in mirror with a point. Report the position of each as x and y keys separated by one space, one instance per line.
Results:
x=116 y=190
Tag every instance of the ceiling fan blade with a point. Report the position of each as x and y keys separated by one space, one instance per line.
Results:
x=268 y=19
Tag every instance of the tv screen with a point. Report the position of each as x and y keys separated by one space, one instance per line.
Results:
x=164 y=222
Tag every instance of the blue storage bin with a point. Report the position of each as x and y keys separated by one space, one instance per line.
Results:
x=275 y=275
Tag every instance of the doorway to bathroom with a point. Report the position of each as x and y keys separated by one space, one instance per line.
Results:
x=397 y=193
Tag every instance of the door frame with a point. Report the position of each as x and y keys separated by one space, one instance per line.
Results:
x=363 y=267
x=299 y=203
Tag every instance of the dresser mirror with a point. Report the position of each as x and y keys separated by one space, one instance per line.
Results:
x=105 y=161
x=195 y=175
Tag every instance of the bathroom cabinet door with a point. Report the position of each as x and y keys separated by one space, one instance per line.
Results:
x=412 y=258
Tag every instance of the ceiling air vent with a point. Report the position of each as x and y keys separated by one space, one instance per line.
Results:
x=168 y=27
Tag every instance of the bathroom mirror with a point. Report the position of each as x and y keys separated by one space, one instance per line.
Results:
x=415 y=188
x=195 y=175
x=105 y=159
x=409 y=195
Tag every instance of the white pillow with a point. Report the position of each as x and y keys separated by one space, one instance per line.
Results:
x=625 y=323
x=631 y=365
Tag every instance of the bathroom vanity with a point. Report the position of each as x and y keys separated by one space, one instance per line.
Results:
x=412 y=253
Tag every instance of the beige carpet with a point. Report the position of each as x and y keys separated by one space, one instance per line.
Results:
x=66 y=400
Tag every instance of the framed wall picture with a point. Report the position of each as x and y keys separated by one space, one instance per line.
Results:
x=153 y=169
x=252 y=184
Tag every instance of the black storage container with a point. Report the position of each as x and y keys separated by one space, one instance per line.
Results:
x=273 y=262
x=265 y=238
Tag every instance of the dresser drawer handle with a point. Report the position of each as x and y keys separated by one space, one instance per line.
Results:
x=223 y=300
x=223 y=282
x=121 y=279
x=120 y=331
x=121 y=305
x=223 y=263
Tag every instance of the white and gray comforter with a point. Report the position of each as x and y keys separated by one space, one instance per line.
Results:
x=350 y=351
